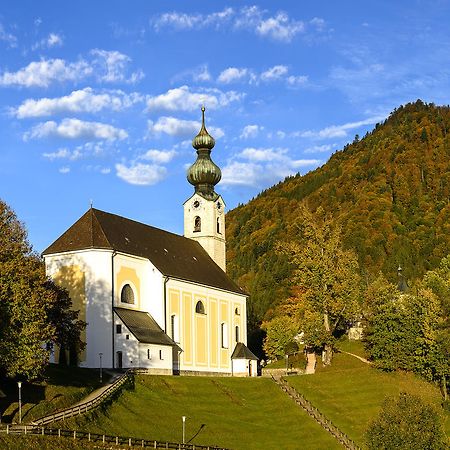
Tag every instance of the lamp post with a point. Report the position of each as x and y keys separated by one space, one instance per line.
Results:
x=184 y=428
x=19 y=385
x=101 y=374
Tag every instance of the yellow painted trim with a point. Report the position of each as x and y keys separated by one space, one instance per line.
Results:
x=214 y=333
x=127 y=275
x=187 y=328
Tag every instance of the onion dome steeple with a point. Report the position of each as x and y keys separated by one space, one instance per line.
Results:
x=204 y=174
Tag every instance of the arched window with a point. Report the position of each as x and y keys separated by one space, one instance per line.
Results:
x=218 y=225
x=236 y=311
x=174 y=328
x=200 y=308
x=197 y=224
x=224 y=335
x=236 y=334
x=127 y=295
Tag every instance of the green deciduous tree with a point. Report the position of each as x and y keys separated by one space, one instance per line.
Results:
x=35 y=314
x=409 y=331
x=279 y=340
x=406 y=423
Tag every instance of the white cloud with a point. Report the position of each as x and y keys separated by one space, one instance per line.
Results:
x=232 y=74
x=250 y=131
x=320 y=148
x=7 y=37
x=64 y=153
x=297 y=80
x=264 y=154
x=202 y=74
x=182 y=21
x=64 y=170
x=52 y=40
x=179 y=127
x=274 y=73
x=182 y=99
x=75 y=129
x=280 y=27
x=261 y=167
x=141 y=174
x=113 y=66
x=338 y=131
x=84 y=100
x=106 y=66
x=45 y=72
x=159 y=156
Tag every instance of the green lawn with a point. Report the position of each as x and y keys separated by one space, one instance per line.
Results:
x=350 y=393
x=237 y=413
x=62 y=387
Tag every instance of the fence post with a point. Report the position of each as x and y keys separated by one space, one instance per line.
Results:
x=89 y=437
x=59 y=432
x=117 y=440
x=7 y=429
x=129 y=442
x=74 y=434
x=25 y=429
x=43 y=431
x=103 y=439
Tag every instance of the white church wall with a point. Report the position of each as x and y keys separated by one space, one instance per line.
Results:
x=96 y=266
x=146 y=281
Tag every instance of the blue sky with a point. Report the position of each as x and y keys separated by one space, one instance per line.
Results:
x=99 y=100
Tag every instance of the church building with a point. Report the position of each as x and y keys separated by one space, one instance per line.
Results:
x=152 y=299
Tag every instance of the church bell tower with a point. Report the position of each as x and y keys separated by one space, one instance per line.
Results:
x=204 y=212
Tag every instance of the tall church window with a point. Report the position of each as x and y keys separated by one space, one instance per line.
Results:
x=197 y=224
x=218 y=225
x=127 y=295
x=200 y=308
x=224 y=335
x=236 y=334
x=174 y=328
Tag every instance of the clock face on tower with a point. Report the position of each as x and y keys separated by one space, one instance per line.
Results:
x=196 y=204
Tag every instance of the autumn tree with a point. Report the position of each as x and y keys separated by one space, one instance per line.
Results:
x=328 y=276
x=35 y=314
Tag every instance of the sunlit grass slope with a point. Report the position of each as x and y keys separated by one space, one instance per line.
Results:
x=236 y=413
x=350 y=393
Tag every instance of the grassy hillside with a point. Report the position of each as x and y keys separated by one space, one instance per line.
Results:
x=351 y=393
x=236 y=413
x=390 y=192
x=62 y=387
x=255 y=413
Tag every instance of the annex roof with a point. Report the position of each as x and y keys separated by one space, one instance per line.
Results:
x=144 y=327
x=173 y=255
x=241 y=351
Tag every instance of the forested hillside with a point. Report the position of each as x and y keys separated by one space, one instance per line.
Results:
x=389 y=191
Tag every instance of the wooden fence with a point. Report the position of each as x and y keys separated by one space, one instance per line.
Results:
x=316 y=414
x=85 y=407
x=101 y=438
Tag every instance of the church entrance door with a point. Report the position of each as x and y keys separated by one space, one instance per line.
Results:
x=119 y=360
